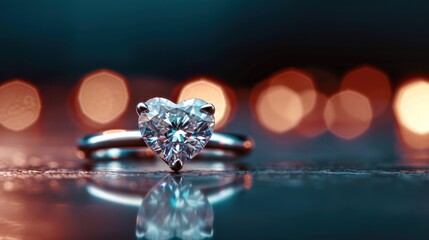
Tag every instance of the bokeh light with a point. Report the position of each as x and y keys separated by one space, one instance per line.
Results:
x=348 y=114
x=248 y=181
x=299 y=82
x=20 y=105
x=411 y=106
x=313 y=124
x=412 y=139
x=102 y=97
x=212 y=92
x=279 y=108
x=113 y=131
x=372 y=83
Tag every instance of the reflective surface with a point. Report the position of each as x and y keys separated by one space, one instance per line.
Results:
x=277 y=201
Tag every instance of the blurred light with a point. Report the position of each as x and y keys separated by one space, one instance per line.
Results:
x=279 y=109
x=412 y=114
x=8 y=186
x=248 y=144
x=348 y=114
x=113 y=131
x=103 y=97
x=372 y=83
x=20 y=105
x=211 y=92
x=313 y=124
x=411 y=106
x=19 y=158
x=248 y=181
x=414 y=140
x=299 y=82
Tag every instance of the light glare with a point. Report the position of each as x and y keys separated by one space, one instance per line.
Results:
x=279 y=109
x=210 y=92
x=348 y=114
x=20 y=105
x=412 y=108
x=103 y=97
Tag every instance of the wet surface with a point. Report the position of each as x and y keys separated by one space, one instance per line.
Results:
x=278 y=201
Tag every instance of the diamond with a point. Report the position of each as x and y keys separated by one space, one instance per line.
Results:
x=176 y=132
x=174 y=208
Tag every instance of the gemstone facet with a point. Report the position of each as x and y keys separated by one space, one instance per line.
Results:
x=175 y=208
x=176 y=132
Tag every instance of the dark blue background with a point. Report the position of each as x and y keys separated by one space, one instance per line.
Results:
x=238 y=41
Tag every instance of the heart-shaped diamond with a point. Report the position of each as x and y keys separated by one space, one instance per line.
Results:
x=176 y=132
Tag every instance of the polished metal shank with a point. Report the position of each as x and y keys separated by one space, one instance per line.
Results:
x=122 y=144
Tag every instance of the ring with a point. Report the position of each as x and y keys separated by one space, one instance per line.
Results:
x=176 y=133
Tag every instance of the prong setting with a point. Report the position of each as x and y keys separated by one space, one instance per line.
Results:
x=208 y=109
x=176 y=166
x=141 y=108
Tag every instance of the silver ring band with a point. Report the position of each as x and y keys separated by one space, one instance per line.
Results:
x=129 y=144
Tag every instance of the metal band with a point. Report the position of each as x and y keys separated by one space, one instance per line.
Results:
x=129 y=144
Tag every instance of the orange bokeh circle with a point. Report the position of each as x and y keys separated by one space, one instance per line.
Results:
x=102 y=97
x=20 y=105
x=213 y=92
x=348 y=114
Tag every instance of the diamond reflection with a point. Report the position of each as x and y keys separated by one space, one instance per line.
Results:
x=170 y=206
x=174 y=208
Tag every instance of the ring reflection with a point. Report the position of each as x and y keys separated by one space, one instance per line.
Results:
x=177 y=206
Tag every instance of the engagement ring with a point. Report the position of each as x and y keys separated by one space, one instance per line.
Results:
x=176 y=133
